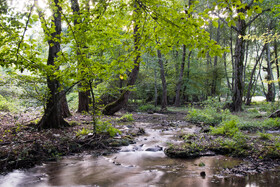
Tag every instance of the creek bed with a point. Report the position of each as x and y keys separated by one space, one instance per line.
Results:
x=141 y=164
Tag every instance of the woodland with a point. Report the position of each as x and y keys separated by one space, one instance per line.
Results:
x=75 y=68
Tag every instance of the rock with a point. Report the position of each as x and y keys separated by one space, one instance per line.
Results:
x=203 y=174
x=154 y=149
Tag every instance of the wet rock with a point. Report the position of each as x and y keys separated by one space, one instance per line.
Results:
x=187 y=153
x=154 y=149
x=203 y=174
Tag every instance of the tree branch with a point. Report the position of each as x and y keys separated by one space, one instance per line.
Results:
x=25 y=29
x=223 y=20
x=254 y=18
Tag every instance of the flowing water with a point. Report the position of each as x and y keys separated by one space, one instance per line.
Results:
x=141 y=164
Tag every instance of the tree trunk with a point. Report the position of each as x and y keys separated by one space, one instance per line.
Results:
x=238 y=66
x=270 y=96
x=163 y=82
x=215 y=73
x=84 y=101
x=249 y=95
x=115 y=106
x=65 y=112
x=180 y=82
x=155 y=87
x=84 y=93
x=276 y=62
x=52 y=117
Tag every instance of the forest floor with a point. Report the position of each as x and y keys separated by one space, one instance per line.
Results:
x=23 y=146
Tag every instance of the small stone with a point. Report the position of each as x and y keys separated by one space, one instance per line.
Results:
x=202 y=174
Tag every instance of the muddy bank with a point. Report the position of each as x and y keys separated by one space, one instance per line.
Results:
x=23 y=146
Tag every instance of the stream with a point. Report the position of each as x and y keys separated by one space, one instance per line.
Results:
x=141 y=164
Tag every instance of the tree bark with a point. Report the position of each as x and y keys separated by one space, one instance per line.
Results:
x=65 y=112
x=52 y=117
x=276 y=62
x=180 y=82
x=270 y=96
x=163 y=82
x=156 y=95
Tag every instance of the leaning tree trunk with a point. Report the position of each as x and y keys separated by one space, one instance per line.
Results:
x=163 y=82
x=180 y=82
x=52 y=117
x=115 y=106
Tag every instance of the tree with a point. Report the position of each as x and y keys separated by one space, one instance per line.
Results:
x=52 y=117
x=84 y=93
x=115 y=106
x=239 y=25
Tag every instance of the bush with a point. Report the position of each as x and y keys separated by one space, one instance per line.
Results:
x=228 y=128
x=4 y=105
x=126 y=117
x=107 y=127
x=147 y=108
x=258 y=125
x=208 y=116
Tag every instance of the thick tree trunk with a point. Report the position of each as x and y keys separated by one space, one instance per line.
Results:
x=52 y=117
x=115 y=106
x=180 y=82
x=65 y=112
x=163 y=82
x=238 y=66
x=84 y=101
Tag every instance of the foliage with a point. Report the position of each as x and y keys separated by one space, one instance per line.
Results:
x=264 y=136
x=4 y=105
x=83 y=132
x=209 y=116
x=126 y=117
x=228 y=128
x=107 y=127
x=147 y=108
x=268 y=123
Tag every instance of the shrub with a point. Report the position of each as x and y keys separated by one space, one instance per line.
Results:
x=83 y=132
x=209 y=116
x=228 y=128
x=126 y=117
x=147 y=108
x=4 y=105
x=264 y=136
x=107 y=127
